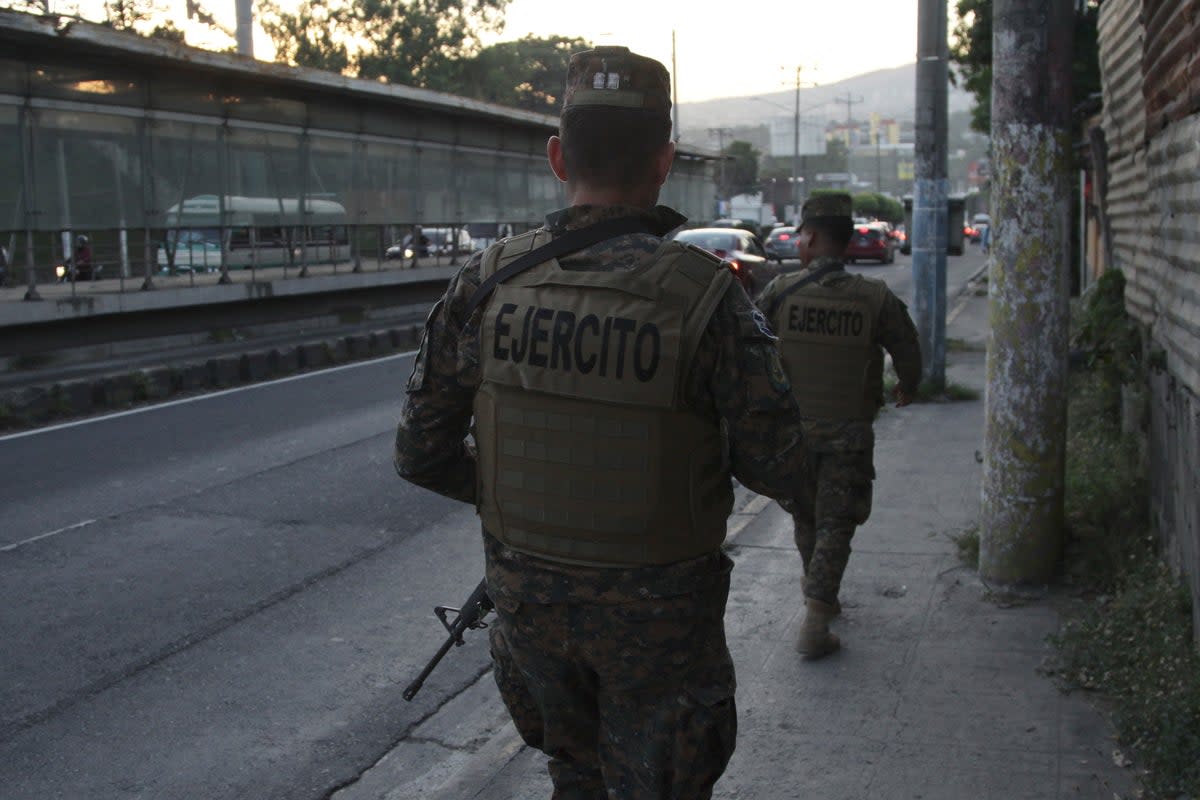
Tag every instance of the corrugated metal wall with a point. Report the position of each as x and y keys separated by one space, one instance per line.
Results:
x=1150 y=65
x=1150 y=61
x=1172 y=61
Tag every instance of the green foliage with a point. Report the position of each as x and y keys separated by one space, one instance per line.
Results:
x=874 y=205
x=1106 y=502
x=418 y=42
x=971 y=52
x=526 y=73
x=1106 y=334
x=1136 y=648
x=1133 y=641
x=314 y=35
x=966 y=544
x=741 y=174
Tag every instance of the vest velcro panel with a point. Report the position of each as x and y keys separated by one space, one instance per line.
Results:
x=585 y=455
x=827 y=340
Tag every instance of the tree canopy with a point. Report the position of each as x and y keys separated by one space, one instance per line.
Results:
x=414 y=42
x=741 y=173
x=971 y=52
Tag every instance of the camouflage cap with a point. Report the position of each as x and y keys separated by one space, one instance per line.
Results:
x=614 y=77
x=831 y=204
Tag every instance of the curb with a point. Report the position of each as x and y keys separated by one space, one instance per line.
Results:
x=120 y=389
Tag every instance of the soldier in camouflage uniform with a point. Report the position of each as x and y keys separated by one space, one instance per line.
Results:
x=615 y=388
x=834 y=326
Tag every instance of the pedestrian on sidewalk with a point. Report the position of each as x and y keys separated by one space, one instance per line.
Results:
x=833 y=327
x=616 y=379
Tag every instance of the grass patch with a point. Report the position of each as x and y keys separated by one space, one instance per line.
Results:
x=966 y=544
x=956 y=345
x=1135 y=647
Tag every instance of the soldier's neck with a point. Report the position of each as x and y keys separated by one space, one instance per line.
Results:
x=583 y=195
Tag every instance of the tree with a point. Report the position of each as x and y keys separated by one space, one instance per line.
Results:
x=741 y=174
x=313 y=36
x=526 y=73
x=971 y=51
x=419 y=42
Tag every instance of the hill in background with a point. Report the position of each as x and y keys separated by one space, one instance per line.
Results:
x=891 y=93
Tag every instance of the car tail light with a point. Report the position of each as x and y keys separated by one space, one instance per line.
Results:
x=736 y=266
x=783 y=237
x=860 y=230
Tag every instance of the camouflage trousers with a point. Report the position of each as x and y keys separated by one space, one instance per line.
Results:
x=631 y=701
x=837 y=500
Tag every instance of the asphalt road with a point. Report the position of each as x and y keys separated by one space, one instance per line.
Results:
x=223 y=597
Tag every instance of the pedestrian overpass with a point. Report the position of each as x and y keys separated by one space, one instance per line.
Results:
x=124 y=139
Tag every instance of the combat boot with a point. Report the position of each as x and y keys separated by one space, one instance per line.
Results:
x=816 y=640
x=837 y=604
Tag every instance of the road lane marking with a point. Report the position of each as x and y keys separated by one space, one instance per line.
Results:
x=199 y=397
x=10 y=547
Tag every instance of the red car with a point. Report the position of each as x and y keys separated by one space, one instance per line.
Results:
x=871 y=241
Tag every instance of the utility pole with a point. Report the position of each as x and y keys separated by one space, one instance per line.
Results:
x=674 y=90
x=1025 y=431
x=850 y=101
x=720 y=133
x=930 y=191
x=796 y=149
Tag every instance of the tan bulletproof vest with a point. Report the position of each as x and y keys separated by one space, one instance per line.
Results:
x=586 y=454
x=827 y=340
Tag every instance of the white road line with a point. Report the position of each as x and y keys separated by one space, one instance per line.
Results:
x=10 y=547
x=958 y=309
x=199 y=397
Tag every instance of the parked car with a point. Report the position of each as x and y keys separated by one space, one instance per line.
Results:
x=433 y=242
x=974 y=231
x=781 y=243
x=737 y=247
x=871 y=241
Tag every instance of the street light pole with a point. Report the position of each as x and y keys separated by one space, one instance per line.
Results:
x=796 y=152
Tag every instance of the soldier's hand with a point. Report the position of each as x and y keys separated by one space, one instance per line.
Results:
x=902 y=397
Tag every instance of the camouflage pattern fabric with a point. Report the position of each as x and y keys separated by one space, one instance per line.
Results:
x=837 y=496
x=621 y=673
x=614 y=77
x=836 y=501
x=629 y=700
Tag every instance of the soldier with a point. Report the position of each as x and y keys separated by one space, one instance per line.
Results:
x=833 y=324
x=616 y=379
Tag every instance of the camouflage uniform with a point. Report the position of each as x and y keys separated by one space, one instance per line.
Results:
x=837 y=497
x=621 y=675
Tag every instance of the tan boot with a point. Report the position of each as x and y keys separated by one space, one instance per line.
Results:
x=815 y=640
x=837 y=604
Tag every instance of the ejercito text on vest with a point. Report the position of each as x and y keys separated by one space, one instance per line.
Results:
x=560 y=339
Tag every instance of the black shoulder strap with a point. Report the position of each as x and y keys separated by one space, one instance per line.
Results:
x=800 y=284
x=569 y=242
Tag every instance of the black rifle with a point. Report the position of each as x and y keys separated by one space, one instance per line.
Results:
x=469 y=616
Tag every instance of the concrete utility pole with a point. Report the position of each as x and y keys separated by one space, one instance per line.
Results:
x=1025 y=431
x=245 y=28
x=930 y=190
x=720 y=133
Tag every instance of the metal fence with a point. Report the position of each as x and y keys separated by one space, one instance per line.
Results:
x=260 y=169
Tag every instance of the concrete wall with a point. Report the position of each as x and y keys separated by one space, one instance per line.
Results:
x=1151 y=120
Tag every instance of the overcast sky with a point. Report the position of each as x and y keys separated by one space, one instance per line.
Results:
x=729 y=48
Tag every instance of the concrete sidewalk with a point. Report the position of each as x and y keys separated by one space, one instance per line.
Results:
x=937 y=694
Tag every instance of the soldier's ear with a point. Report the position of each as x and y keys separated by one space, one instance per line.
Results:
x=554 y=154
x=663 y=163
